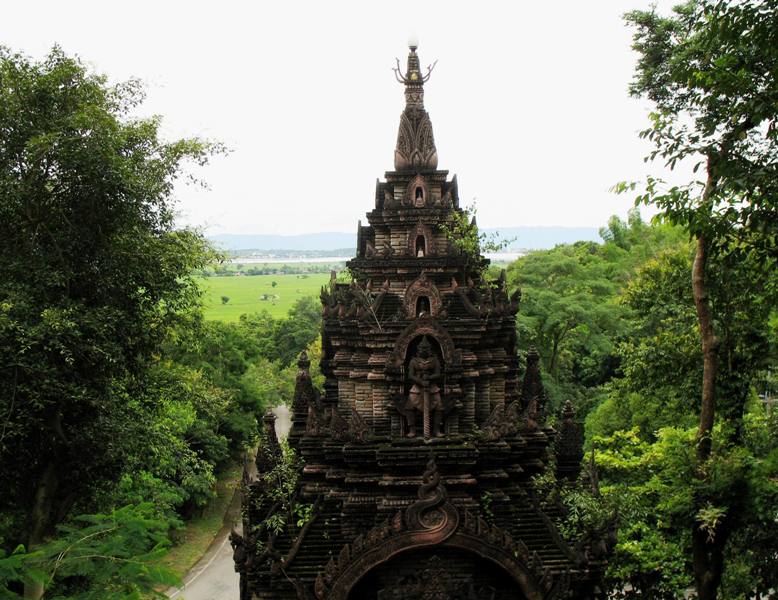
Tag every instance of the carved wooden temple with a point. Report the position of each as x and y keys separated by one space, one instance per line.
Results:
x=419 y=452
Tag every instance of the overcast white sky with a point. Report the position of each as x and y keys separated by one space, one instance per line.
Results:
x=528 y=101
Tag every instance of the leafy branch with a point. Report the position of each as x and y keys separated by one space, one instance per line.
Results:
x=462 y=233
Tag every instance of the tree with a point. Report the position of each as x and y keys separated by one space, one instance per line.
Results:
x=92 y=275
x=711 y=69
x=647 y=423
x=225 y=299
x=294 y=333
x=565 y=293
x=462 y=233
x=570 y=307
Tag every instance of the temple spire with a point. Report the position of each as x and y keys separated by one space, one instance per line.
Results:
x=415 y=143
x=412 y=78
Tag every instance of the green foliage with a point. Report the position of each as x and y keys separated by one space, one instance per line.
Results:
x=179 y=415
x=649 y=485
x=114 y=556
x=661 y=361
x=645 y=439
x=279 y=495
x=92 y=277
x=570 y=308
x=632 y=350
x=94 y=282
x=253 y=361
x=298 y=330
x=710 y=71
x=465 y=238
x=654 y=486
x=487 y=501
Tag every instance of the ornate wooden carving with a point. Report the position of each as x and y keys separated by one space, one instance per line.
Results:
x=415 y=141
x=358 y=427
x=349 y=435
x=430 y=521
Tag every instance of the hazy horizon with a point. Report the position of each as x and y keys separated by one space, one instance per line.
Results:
x=529 y=103
x=524 y=238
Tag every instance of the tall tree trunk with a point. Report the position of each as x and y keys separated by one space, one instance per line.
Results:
x=710 y=344
x=39 y=521
x=708 y=562
x=554 y=351
x=707 y=552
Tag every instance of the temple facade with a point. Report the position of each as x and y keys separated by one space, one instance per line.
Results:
x=418 y=454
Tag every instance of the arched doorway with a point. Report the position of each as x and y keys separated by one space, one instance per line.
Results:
x=437 y=573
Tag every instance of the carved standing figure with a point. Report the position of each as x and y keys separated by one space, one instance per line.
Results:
x=424 y=397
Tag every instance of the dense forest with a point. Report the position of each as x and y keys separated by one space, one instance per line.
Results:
x=119 y=403
x=616 y=329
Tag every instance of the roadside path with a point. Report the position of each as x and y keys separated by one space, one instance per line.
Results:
x=214 y=576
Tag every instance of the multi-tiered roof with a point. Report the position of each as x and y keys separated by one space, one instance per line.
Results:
x=416 y=337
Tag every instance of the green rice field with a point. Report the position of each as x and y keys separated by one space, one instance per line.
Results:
x=254 y=293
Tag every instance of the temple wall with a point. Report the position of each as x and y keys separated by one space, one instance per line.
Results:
x=381 y=416
x=482 y=401
x=468 y=411
x=346 y=396
x=363 y=399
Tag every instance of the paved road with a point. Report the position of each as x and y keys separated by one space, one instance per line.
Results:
x=214 y=577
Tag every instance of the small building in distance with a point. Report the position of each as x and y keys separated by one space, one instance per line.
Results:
x=420 y=450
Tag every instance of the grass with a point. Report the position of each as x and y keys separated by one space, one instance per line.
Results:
x=245 y=294
x=193 y=540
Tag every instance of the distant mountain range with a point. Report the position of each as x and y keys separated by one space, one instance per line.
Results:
x=524 y=238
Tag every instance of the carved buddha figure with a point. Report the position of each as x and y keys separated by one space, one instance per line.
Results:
x=424 y=396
